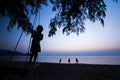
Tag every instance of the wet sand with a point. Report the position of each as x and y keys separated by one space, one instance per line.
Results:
x=56 y=71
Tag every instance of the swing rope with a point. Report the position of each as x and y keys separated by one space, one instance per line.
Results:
x=20 y=39
x=16 y=45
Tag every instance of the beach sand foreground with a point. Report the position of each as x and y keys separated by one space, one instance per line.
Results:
x=55 y=71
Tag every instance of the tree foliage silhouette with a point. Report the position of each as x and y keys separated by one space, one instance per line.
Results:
x=19 y=10
x=70 y=14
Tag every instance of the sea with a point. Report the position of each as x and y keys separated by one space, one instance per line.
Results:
x=110 y=60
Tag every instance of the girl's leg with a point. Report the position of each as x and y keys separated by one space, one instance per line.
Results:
x=31 y=56
x=35 y=56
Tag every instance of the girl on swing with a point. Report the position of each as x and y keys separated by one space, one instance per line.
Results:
x=35 y=47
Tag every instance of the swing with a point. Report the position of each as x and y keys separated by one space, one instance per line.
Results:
x=34 y=24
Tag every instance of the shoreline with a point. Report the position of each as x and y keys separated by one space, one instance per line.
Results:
x=18 y=70
x=110 y=60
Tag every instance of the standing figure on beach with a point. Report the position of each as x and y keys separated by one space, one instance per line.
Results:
x=35 y=47
x=77 y=61
x=69 y=60
x=60 y=60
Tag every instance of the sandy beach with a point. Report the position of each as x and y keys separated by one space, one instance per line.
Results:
x=54 y=71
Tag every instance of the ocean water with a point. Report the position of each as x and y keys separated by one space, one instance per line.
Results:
x=112 y=60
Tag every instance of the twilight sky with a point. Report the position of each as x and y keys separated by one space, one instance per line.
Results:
x=96 y=37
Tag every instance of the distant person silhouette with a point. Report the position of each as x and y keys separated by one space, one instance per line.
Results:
x=37 y=36
x=60 y=60
x=77 y=61
x=69 y=60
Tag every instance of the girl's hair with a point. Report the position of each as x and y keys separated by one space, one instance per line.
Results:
x=39 y=28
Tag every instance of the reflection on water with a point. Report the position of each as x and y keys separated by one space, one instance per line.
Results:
x=115 y=60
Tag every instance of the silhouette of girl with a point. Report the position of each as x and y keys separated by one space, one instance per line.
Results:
x=35 y=47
